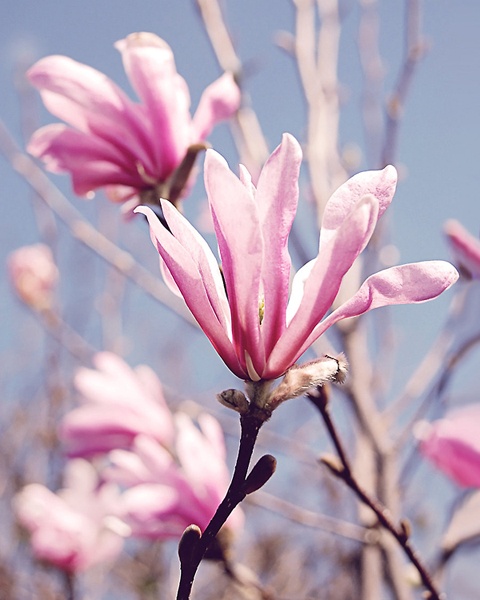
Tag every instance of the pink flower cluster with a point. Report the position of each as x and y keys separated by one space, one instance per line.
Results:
x=171 y=474
x=175 y=473
x=76 y=528
x=114 y=142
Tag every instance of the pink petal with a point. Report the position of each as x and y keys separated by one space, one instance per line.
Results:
x=198 y=294
x=453 y=445
x=92 y=430
x=204 y=469
x=89 y=101
x=206 y=262
x=277 y=198
x=238 y=230
x=125 y=468
x=465 y=246
x=150 y=66
x=219 y=101
x=314 y=290
x=91 y=161
x=151 y=511
x=405 y=284
x=380 y=184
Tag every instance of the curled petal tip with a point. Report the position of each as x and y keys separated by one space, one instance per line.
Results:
x=141 y=39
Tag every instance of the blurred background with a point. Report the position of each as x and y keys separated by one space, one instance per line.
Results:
x=436 y=154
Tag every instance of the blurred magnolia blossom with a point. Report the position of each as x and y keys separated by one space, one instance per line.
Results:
x=77 y=527
x=465 y=247
x=247 y=314
x=175 y=474
x=113 y=142
x=166 y=492
x=117 y=404
x=452 y=444
x=34 y=275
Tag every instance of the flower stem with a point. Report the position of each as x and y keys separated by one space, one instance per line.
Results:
x=190 y=559
x=343 y=471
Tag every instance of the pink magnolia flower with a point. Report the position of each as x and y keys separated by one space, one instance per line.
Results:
x=118 y=403
x=77 y=527
x=34 y=275
x=112 y=140
x=253 y=324
x=168 y=493
x=452 y=444
x=465 y=247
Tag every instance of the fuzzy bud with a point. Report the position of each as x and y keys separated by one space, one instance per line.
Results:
x=299 y=379
x=234 y=399
x=260 y=473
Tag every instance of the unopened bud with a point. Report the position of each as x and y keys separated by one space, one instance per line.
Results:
x=188 y=543
x=299 y=379
x=234 y=399
x=260 y=473
x=34 y=275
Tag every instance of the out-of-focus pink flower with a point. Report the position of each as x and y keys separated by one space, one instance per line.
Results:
x=77 y=527
x=165 y=493
x=257 y=330
x=112 y=140
x=452 y=444
x=118 y=403
x=465 y=247
x=34 y=275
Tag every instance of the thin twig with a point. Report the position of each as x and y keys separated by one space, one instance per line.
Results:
x=310 y=519
x=343 y=471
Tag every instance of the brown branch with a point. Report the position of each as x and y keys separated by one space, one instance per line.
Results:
x=341 y=468
x=194 y=545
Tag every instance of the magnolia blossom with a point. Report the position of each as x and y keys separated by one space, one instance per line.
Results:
x=118 y=403
x=465 y=247
x=452 y=444
x=112 y=140
x=248 y=316
x=77 y=527
x=168 y=493
x=34 y=275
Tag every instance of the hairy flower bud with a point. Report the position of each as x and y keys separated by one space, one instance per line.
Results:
x=299 y=379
